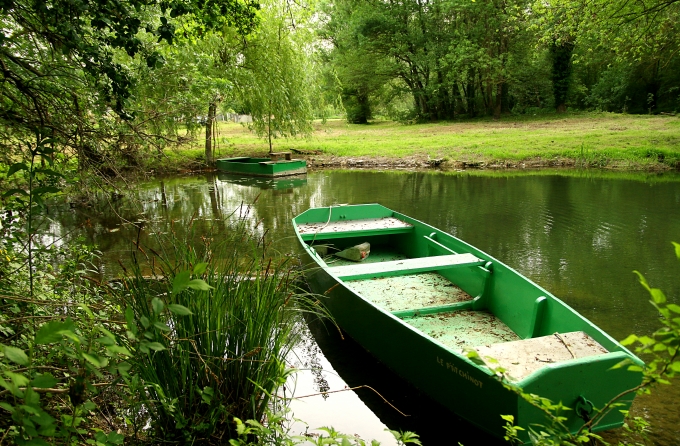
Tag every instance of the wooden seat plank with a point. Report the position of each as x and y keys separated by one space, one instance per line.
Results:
x=404 y=267
x=345 y=228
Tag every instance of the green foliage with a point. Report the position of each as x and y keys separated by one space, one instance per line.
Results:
x=83 y=362
x=278 y=84
x=71 y=71
x=660 y=349
x=210 y=336
x=58 y=339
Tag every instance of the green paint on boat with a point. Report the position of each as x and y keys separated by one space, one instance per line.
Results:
x=424 y=297
x=264 y=167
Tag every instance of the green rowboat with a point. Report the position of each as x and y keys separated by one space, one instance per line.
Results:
x=430 y=306
x=263 y=167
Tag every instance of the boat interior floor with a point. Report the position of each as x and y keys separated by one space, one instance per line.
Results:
x=465 y=329
x=415 y=291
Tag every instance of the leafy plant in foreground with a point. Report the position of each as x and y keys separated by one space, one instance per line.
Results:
x=59 y=351
x=211 y=334
x=662 y=349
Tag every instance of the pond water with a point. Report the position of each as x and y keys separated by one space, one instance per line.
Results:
x=579 y=234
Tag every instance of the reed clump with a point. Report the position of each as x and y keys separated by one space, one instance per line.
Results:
x=210 y=335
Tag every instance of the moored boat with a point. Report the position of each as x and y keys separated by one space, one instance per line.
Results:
x=429 y=306
x=277 y=165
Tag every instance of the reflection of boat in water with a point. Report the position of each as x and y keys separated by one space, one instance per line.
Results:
x=279 y=183
x=411 y=304
x=395 y=402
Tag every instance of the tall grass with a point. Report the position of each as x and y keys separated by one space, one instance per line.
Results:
x=211 y=335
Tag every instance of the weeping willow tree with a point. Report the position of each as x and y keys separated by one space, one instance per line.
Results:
x=277 y=84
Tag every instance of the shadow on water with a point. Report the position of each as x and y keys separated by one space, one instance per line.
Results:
x=430 y=420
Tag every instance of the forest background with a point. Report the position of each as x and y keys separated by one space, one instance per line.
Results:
x=113 y=86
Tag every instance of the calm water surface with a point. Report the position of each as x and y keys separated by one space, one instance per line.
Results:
x=578 y=234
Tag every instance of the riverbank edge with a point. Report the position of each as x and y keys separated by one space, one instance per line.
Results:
x=320 y=161
x=426 y=162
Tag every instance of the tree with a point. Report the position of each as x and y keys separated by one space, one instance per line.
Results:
x=629 y=50
x=447 y=53
x=277 y=81
x=62 y=70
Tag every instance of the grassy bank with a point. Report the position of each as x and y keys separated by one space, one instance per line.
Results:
x=590 y=139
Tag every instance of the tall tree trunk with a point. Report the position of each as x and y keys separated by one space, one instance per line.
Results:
x=470 y=94
x=499 y=101
x=560 y=54
x=210 y=122
x=505 y=98
x=269 y=127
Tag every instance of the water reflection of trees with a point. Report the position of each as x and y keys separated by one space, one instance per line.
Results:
x=578 y=236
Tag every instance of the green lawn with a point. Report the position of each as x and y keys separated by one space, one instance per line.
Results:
x=600 y=139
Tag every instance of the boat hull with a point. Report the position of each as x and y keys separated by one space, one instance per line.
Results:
x=447 y=375
x=263 y=167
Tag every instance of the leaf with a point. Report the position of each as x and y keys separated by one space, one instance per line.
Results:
x=119 y=350
x=161 y=326
x=17 y=378
x=15 y=192
x=657 y=295
x=45 y=190
x=115 y=438
x=130 y=320
x=156 y=346
x=96 y=360
x=674 y=308
x=620 y=364
x=16 y=355
x=53 y=331
x=473 y=356
x=659 y=347
x=53 y=173
x=8 y=407
x=180 y=282
x=14 y=168
x=87 y=310
x=180 y=310
x=677 y=249
x=103 y=340
x=157 y=305
x=200 y=269
x=646 y=341
x=199 y=284
x=106 y=332
x=44 y=381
